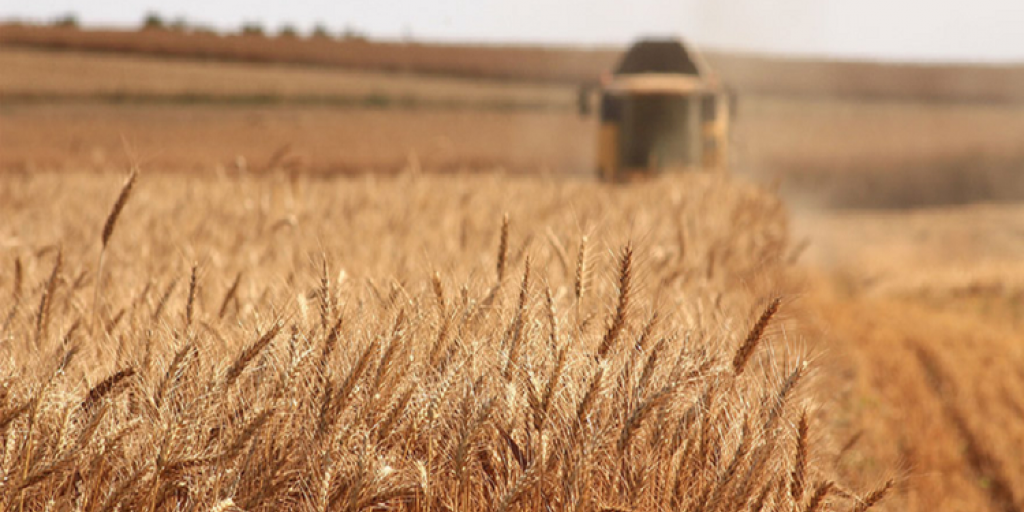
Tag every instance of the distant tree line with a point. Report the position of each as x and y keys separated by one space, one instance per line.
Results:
x=154 y=21
x=69 y=20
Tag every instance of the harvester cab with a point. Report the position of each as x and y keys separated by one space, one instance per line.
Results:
x=662 y=110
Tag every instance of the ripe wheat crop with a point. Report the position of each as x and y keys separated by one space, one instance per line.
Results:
x=418 y=342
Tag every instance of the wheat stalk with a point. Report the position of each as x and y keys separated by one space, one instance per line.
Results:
x=229 y=295
x=250 y=353
x=618 y=320
x=46 y=300
x=193 y=284
x=800 y=463
x=874 y=497
x=818 y=498
x=106 y=386
x=580 y=281
x=754 y=336
x=15 y=296
x=108 y=232
x=503 y=249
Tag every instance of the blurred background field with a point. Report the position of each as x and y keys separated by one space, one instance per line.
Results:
x=880 y=141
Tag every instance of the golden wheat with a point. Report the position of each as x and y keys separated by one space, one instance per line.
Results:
x=401 y=393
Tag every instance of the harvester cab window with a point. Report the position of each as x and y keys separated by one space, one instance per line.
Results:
x=611 y=108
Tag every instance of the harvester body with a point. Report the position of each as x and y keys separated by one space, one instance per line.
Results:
x=662 y=110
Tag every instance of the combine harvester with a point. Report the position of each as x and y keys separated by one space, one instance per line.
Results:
x=662 y=110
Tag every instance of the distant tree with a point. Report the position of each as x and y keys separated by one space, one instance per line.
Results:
x=288 y=31
x=153 y=21
x=252 y=29
x=204 y=30
x=179 y=24
x=320 y=31
x=351 y=34
x=69 y=20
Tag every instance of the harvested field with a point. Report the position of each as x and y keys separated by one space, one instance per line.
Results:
x=211 y=139
x=825 y=153
x=523 y=63
x=748 y=74
x=41 y=76
x=918 y=316
x=883 y=154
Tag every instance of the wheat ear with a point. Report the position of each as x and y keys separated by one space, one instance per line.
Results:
x=193 y=283
x=46 y=301
x=818 y=499
x=503 y=249
x=874 y=497
x=799 y=473
x=108 y=231
x=618 y=321
x=249 y=354
x=754 y=336
x=15 y=295
x=229 y=295
x=580 y=284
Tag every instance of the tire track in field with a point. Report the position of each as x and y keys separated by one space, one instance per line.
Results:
x=985 y=466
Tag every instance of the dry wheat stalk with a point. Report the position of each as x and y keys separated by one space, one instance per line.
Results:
x=193 y=284
x=229 y=295
x=174 y=372
x=162 y=302
x=326 y=296
x=754 y=336
x=874 y=497
x=250 y=353
x=639 y=415
x=782 y=396
x=503 y=249
x=108 y=231
x=115 y=211
x=800 y=463
x=106 y=386
x=549 y=301
x=762 y=497
x=817 y=501
x=15 y=296
x=518 y=323
x=438 y=287
x=618 y=320
x=46 y=300
x=579 y=284
x=224 y=505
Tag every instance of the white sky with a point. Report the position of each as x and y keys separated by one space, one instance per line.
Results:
x=917 y=30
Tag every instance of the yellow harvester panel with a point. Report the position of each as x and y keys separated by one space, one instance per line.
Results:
x=608 y=150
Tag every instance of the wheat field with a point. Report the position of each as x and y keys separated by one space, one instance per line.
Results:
x=416 y=342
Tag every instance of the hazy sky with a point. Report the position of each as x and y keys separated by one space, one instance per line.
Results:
x=935 y=30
